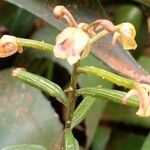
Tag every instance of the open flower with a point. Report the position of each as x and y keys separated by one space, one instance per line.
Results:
x=74 y=42
x=125 y=34
x=70 y=43
x=9 y=46
x=142 y=91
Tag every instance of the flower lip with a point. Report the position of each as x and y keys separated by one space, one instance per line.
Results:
x=142 y=91
x=70 y=43
x=127 y=29
x=125 y=33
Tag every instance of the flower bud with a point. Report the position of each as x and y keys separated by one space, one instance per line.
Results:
x=9 y=46
x=58 y=11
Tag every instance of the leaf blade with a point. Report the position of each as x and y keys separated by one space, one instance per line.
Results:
x=81 y=111
x=146 y=143
x=26 y=116
x=70 y=143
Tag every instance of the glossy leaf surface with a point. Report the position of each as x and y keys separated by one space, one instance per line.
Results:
x=26 y=116
x=81 y=111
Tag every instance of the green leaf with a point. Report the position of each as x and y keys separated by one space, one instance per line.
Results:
x=126 y=115
x=108 y=94
x=40 y=9
x=81 y=111
x=26 y=116
x=25 y=147
x=145 y=62
x=101 y=138
x=41 y=83
x=70 y=143
x=22 y=23
x=92 y=119
x=13 y=19
x=146 y=144
x=101 y=73
x=125 y=141
x=7 y=18
x=129 y=13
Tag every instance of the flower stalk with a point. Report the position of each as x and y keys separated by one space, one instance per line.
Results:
x=41 y=45
x=72 y=95
x=9 y=45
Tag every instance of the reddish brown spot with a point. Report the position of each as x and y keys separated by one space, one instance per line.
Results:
x=9 y=47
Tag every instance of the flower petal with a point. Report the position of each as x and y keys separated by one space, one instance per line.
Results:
x=126 y=35
x=70 y=43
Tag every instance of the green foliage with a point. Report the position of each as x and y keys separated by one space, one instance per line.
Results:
x=81 y=111
x=146 y=143
x=101 y=138
x=70 y=143
x=126 y=141
x=26 y=117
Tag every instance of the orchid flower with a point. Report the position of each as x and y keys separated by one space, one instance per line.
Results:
x=70 y=43
x=125 y=34
x=142 y=91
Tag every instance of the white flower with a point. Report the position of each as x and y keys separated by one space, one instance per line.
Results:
x=70 y=44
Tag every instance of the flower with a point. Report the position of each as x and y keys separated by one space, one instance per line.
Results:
x=70 y=44
x=74 y=42
x=9 y=46
x=142 y=91
x=125 y=34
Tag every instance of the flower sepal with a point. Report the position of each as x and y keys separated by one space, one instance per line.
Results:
x=142 y=91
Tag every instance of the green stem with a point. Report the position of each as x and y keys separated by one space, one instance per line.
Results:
x=108 y=94
x=116 y=79
x=34 y=44
x=72 y=95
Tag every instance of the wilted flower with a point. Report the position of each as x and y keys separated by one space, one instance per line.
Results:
x=142 y=91
x=70 y=43
x=125 y=34
x=9 y=46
